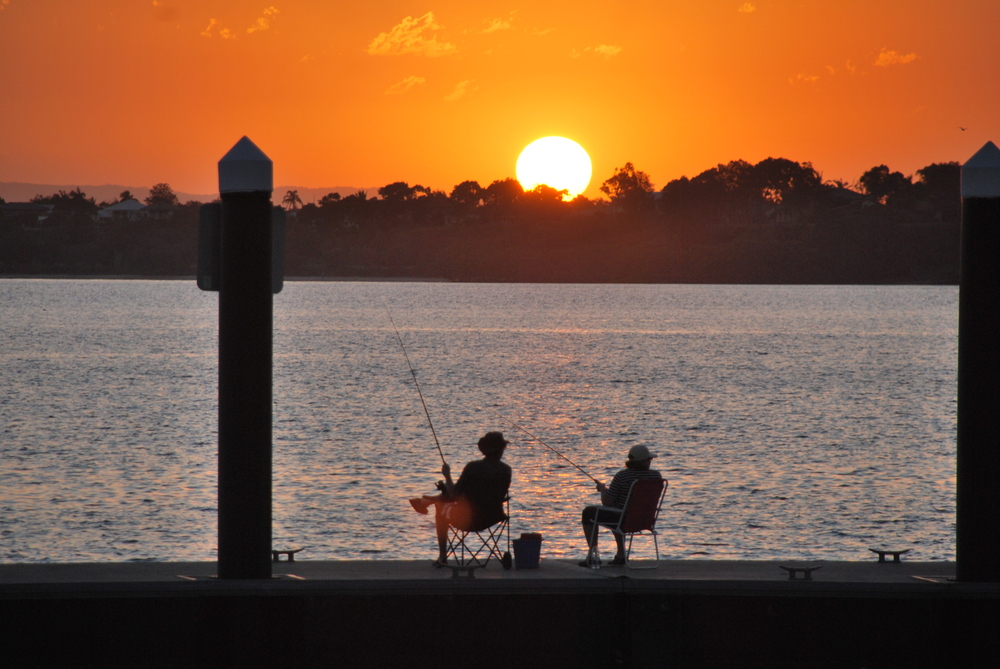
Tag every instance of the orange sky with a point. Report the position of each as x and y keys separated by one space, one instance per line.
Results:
x=136 y=92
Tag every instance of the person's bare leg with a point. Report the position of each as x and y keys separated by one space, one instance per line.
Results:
x=592 y=537
x=421 y=503
x=588 y=532
x=620 y=541
x=441 y=525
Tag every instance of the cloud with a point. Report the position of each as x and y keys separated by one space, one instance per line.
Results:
x=224 y=33
x=263 y=22
x=3 y=4
x=412 y=35
x=887 y=58
x=606 y=50
x=493 y=25
x=747 y=8
x=461 y=88
x=803 y=79
x=496 y=25
x=405 y=85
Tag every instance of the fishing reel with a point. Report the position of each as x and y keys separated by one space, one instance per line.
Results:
x=441 y=486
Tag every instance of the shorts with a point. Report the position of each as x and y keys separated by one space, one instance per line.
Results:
x=458 y=513
x=601 y=514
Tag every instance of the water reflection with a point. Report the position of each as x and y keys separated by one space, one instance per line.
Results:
x=803 y=422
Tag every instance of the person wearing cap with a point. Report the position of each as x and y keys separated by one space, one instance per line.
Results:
x=476 y=500
x=613 y=498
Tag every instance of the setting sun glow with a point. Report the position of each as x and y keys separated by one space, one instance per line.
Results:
x=442 y=93
x=556 y=162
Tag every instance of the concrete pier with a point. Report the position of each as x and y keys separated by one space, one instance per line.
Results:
x=686 y=613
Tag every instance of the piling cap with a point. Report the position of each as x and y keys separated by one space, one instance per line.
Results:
x=981 y=173
x=246 y=169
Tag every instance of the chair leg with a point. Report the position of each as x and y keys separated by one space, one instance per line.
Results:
x=492 y=544
x=592 y=552
x=487 y=546
x=505 y=558
x=458 y=549
x=656 y=549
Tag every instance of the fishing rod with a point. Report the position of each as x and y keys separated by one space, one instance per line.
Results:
x=522 y=429
x=417 y=384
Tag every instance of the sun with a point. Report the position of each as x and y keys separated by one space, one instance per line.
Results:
x=556 y=162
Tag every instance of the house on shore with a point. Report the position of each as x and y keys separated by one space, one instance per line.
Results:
x=29 y=213
x=130 y=210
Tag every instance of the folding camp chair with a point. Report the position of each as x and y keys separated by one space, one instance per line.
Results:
x=473 y=548
x=642 y=508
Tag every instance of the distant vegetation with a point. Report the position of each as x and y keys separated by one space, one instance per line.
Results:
x=773 y=222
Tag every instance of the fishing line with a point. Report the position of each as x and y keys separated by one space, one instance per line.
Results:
x=416 y=383
x=522 y=429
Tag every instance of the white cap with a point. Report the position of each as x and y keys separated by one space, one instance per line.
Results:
x=246 y=169
x=981 y=173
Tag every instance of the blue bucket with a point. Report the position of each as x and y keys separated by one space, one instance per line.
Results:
x=527 y=551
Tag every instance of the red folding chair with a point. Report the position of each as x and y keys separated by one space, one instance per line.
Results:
x=642 y=509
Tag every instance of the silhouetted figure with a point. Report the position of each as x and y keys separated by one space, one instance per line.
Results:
x=613 y=498
x=476 y=500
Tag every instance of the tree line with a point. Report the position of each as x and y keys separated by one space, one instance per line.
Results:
x=775 y=221
x=774 y=188
x=76 y=202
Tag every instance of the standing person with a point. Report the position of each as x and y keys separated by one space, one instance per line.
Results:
x=476 y=500
x=613 y=499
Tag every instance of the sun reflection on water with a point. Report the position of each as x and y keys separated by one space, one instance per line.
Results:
x=803 y=422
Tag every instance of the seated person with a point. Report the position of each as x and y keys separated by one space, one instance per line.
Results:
x=476 y=501
x=613 y=499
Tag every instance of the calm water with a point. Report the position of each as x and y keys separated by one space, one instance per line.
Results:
x=792 y=422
